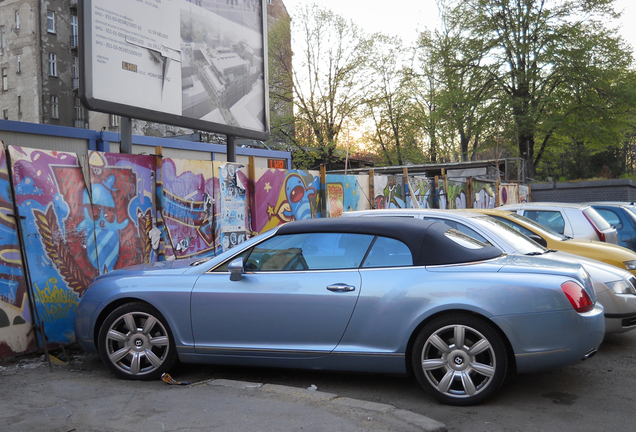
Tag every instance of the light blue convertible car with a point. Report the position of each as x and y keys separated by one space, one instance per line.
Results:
x=383 y=295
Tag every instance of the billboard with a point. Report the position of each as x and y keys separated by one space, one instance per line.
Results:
x=199 y=64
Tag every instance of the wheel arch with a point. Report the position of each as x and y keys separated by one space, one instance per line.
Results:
x=411 y=342
x=111 y=307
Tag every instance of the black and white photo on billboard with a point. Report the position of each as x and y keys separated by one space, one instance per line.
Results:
x=222 y=64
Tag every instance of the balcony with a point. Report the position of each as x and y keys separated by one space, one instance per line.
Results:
x=74 y=41
x=73 y=3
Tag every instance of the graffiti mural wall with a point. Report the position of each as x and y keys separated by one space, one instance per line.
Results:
x=120 y=221
x=188 y=206
x=484 y=194
x=15 y=314
x=346 y=193
x=284 y=195
x=455 y=196
x=51 y=195
x=389 y=192
x=422 y=189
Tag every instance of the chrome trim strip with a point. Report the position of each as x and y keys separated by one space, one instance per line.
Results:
x=467 y=263
x=543 y=353
x=279 y=351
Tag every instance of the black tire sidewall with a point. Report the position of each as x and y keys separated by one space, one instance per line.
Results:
x=479 y=324
x=115 y=315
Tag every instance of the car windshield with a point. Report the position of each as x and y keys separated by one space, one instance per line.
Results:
x=517 y=241
x=631 y=212
x=537 y=227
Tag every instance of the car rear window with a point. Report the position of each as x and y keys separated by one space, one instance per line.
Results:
x=597 y=219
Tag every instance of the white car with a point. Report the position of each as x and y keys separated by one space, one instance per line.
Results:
x=615 y=288
x=578 y=221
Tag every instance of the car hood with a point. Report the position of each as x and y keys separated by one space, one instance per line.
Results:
x=163 y=267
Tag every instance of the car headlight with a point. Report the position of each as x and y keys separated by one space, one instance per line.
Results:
x=621 y=287
x=630 y=265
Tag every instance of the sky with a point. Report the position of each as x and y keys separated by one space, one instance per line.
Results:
x=404 y=18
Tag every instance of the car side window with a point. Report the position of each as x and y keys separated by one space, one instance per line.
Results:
x=552 y=219
x=309 y=251
x=388 y=252
x=523 y=230
x=461 y=228
x=610 y=216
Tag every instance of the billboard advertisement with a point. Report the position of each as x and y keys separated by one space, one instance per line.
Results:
x=199 y=64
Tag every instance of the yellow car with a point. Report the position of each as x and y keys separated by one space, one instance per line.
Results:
x=606 y=252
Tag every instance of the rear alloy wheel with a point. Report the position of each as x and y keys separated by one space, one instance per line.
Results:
x=135 y=342
x=460 y=359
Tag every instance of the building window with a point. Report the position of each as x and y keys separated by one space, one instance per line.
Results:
x=17 y=20
x=5 y=80
x=19 y=105
x=3 y=38
x=50 y=21
x=55 y=107
x=114 y=120
x=5 y=114
x=19 y=60
x=52 y=64
x=80 y=118
x=74 y=31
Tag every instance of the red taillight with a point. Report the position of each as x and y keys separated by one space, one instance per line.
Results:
x=580 y=301
x=599 y=233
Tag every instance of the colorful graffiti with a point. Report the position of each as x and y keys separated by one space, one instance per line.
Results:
x=231 y=209
x=484 y=195
x=389 y=192
x=455 y=195
x=188 y=206
x=346 y=193
x=282 y=196
x=15 y=315
x=422 y=188
x=50 y=192
x=119 y=214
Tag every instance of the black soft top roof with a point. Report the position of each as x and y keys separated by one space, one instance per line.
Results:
x=427 y=240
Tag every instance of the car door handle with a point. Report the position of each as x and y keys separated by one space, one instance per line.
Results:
x=341 y=288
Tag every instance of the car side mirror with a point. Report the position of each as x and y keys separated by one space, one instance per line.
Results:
x=236 y=270
x=539 y=239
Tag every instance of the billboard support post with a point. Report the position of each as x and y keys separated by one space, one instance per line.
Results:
x=125 y=146
x=231 y=148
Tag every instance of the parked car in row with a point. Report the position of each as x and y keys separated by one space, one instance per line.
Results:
x=579 y=221
x=622 y=215
x=388 y=295
x=615 y=288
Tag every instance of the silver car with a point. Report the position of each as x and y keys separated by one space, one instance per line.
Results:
x=578 y=221
x=615 y=288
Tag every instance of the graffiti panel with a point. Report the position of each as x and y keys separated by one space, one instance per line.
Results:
x=282 y=196
x=508 y=193
x=122 y=212
x=455 y=195
x=484 y=194
x=51 y=196
x=188 y=206
x=389 y=192
x=422 y=188
x=15 y=315
x=524 y=193
x=230 y=205
x=346 y=193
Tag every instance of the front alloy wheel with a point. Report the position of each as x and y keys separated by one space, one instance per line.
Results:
x=135 y=342
x=460 y=359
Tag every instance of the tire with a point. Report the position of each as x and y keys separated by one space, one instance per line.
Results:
x=136 y=343
x=461 y=375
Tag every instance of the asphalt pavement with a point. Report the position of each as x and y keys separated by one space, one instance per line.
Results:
x=78 y=394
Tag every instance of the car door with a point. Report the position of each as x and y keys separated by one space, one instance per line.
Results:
x=295 y=298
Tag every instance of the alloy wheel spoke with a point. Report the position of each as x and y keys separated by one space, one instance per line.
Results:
x=119 y=354
x=130 y=323
x=432 y=364
x=150 y=323
x=446 y=382
x=467 y=383
x=135 y=364
x=439 y=343
x=483 y=369
x=152 y=357
x=479 y=347
x=159 y=341
x=460 y=336
x=117 y=336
